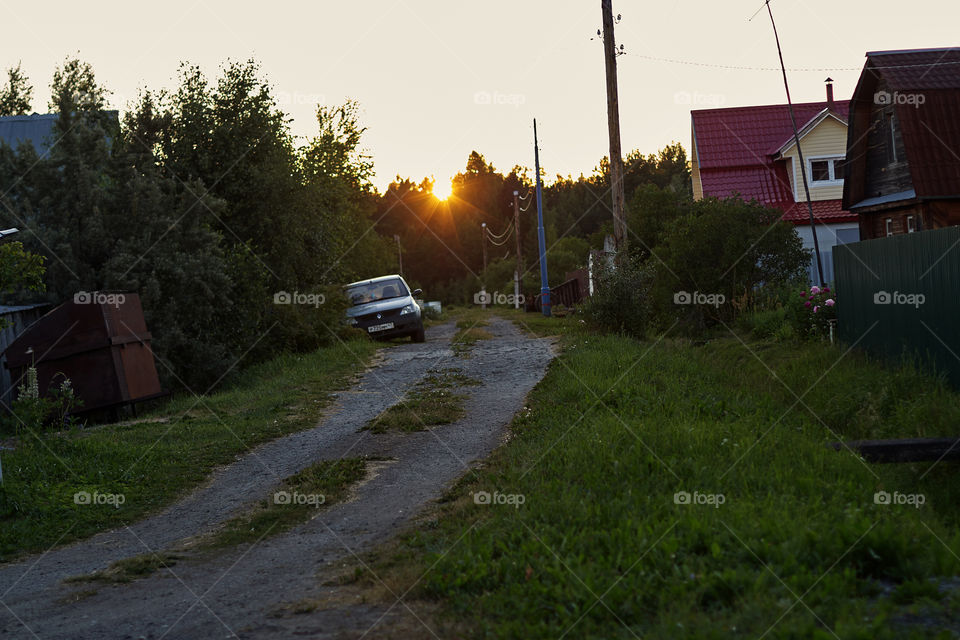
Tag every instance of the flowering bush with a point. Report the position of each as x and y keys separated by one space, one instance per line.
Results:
x=32 y=412
x=820 y=305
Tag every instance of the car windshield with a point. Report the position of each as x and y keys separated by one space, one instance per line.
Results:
x=373 y=291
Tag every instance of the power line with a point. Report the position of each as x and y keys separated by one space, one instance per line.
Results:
x=712 y=65
x=501 y=240
x=738 y=68
x=495 y=236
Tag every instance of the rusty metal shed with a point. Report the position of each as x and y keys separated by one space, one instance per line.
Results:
x=100 y=342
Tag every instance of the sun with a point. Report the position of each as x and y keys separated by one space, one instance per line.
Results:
x=441 y=189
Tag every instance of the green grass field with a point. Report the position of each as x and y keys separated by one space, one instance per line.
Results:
x=152 y=461
x=667 y=490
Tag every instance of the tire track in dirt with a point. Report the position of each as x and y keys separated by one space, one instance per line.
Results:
x=231 y=593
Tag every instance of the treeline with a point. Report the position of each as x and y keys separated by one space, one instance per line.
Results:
x=200 y=200
x=441 y=240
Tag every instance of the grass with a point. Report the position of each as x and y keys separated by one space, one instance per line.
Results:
x=430 y=403
x=298 y=499
x=153 y=461
x=129 y=569
x=780 y=537
x=469 y=331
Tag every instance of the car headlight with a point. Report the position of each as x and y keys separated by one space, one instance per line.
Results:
x=407 y=309
x=351 y=321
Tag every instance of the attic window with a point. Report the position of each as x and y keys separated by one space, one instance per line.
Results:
x=820 y=170
x=825 y=171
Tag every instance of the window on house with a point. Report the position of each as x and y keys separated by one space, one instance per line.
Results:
x=911 y=226
x=826 y=171
x=820 y=170
x=889 y=226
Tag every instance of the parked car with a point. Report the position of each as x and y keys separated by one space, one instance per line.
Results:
x=384 y=307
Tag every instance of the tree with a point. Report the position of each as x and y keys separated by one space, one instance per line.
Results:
x=721 y=248
x=19 y=269
x=16 y=96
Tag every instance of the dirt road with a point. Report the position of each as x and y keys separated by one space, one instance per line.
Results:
x=231 y=594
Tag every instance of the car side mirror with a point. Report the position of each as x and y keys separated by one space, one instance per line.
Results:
x=417 y=292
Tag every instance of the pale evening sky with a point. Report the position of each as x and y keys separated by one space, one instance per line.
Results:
x=436 y=80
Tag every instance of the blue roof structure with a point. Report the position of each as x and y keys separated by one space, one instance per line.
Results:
x=35 y=129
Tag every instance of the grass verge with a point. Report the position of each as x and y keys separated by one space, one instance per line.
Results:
x=297 y=500
x=129 y=569
x=430 y=403
x=666 y=490
x=131 y=469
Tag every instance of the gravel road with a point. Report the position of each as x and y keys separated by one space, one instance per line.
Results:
x=231 y=594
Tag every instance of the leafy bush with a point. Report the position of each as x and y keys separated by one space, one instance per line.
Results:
x=695 y=265
x=621 y=299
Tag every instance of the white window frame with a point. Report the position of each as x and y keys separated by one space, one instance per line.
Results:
x=911 y=224
x=889 y=227
x=833 y=161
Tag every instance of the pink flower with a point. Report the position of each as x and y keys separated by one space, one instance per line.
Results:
x=815 y=309
x=803 y=294
x=812 y=296
x=826 y=289
x=814 y=290
x=829 y=302
x=807 y=303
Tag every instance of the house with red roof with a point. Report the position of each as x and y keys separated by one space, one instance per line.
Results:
x=750 y=152
x=903 y=143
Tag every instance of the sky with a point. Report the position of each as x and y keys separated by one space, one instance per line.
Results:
x=437 y=80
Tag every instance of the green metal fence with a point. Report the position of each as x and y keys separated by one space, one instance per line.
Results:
x=901 y=295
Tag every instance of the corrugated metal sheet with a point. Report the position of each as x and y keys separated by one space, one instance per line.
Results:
x=102 y=346
x=35 y=129
x=875 y=280
x=18 y=319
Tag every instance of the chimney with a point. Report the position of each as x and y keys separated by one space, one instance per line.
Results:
x=830 y=104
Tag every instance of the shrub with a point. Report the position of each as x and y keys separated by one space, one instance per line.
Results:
x=621 y=299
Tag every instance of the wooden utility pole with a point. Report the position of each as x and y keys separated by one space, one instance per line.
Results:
x=516 y=231
x=613 y=124
x=483 y=287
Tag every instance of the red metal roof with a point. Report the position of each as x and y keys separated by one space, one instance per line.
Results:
x=825 y=211
x=917 y=69
x=764 y=183
x=928 y=114
x=746 y=136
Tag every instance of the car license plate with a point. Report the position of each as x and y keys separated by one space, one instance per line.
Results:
x=380 y=327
